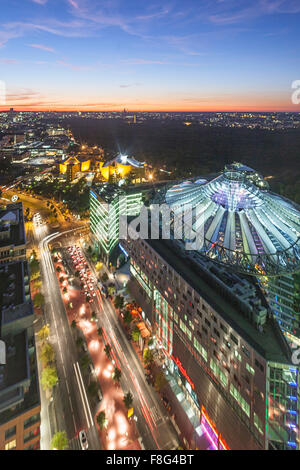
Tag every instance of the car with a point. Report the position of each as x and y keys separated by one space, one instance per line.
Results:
x=83 y=440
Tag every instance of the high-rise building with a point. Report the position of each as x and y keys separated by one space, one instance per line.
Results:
x=107 y=203
x=12 y=233
x=231 y=370
x=19 y=388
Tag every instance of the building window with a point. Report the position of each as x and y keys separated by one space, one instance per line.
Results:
x=245 y=351
x=234 y=339
x=259 y=365
x=31 y=434
x=11 y=445
x=250 y=369
x=31 y=420
x=10 y=432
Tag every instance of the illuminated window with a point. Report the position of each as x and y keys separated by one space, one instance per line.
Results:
x=11 y=445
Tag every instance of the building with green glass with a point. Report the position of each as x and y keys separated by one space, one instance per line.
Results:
x=108 y=202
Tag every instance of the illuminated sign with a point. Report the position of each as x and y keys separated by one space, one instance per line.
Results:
x=124 y=251
x=184 y=372
x=212 y=432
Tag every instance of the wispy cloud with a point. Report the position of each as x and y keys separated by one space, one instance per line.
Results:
x=130 y=85
x=42 y=47
x=79 y=68
x=8 y=61
x=40 y=2
x=144 y=62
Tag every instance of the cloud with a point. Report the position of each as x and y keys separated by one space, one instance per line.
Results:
x=143 y=62
x=42 y=47
x=9 y=61
x=75 y=67
x=40 y=2
x=130 y=85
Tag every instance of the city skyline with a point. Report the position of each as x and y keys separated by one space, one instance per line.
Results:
x=81 y=55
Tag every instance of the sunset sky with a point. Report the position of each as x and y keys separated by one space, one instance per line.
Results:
x=199 y=55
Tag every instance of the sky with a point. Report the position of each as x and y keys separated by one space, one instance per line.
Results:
x=146 y=55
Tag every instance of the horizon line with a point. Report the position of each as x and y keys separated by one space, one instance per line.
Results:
x=147 y=111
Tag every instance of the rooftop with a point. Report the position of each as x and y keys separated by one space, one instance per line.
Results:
x=15 y=300
x=12 y=230
x=16 y=369
x=125 y=160
x=219 y=288
x=240 y=222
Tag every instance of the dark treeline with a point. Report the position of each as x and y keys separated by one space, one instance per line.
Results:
x=199 y=150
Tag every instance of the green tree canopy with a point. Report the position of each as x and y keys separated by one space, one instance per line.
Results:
x=107 y=350
x=117 y=375
x=127 y=400
x=147 y=356
x=49 y=378
x=47 y=354
x=59 y=441
x=119 y=301
x=101 y=419
x=38 y=300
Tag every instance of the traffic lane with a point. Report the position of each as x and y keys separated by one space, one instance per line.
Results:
x=70 y=353
x=163 y=432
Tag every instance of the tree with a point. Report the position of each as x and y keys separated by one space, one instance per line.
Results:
x=160 y=381
x=38 y=300
x=65 y=290
x=34 y=268
x=127 y=400
x=136 y=334
x=79 y=342
x=59 y=441
x=101 y=419
x=43 y=334
x=104 y=278
x=49 y=378
x=61 y=279
x=147 y=357
x=93 y=316
x=117 y=375
x=100 y=331
x=47 y=354
x=107 y=350
x=77 y=273
x=37 y=284
x=94 y=257
x=58 y=269
x=93 y=388
x=119 y=301
x=74 y=324
x=87 y=298
x=127 y=317
x=85 y=361
x=33 y=255
x=111 y=290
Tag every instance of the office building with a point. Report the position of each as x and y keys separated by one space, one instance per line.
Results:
x=12 y=233
x=19 y=387
x=107 y=203
x=228 y=363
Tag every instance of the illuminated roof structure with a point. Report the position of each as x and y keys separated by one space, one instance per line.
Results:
x=125 y=160
x=242 y=223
